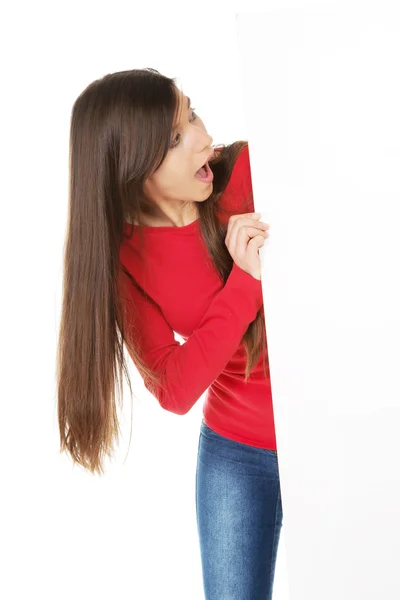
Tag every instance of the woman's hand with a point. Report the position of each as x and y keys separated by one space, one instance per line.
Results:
x=244 y=236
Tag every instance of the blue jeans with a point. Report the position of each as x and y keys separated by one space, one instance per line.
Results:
x=239 y=517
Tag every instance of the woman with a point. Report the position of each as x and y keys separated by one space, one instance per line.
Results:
x=155 y=244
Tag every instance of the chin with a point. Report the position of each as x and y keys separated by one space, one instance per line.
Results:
x=207 y=193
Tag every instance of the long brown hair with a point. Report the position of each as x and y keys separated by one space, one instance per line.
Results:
x=119 y=134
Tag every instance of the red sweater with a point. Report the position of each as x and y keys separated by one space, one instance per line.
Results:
x=183 y=293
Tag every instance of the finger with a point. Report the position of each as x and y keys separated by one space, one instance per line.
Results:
x=240 y=239
x=236 y=224
x=255 y=244
x=233 y=218
x=242 y=231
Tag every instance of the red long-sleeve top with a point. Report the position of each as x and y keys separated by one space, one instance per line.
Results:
x=179 y=291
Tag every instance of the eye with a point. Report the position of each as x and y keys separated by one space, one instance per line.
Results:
x=178 y=134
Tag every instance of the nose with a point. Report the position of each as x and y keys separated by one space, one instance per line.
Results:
x=209 y=137
x=210 y=143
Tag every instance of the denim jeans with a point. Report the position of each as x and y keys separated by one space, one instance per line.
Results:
x=239 y=517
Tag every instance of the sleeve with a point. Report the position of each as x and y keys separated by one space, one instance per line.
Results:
x=245 y=180
x=237 y=197
x=188 y=369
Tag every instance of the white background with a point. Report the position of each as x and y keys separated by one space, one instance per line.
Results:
x=333 y=338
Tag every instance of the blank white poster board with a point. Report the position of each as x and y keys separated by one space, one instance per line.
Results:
x=321 y=93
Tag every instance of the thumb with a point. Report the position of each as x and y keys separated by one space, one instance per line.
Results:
x=255 y=243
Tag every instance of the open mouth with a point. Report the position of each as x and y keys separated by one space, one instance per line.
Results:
x=204 y=173
x=206 y=165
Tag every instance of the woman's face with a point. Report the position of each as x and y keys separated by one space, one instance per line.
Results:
x=174 y=182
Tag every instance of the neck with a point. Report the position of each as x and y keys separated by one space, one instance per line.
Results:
x=160 y=219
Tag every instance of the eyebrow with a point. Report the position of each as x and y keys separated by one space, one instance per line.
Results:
x=188 y=105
